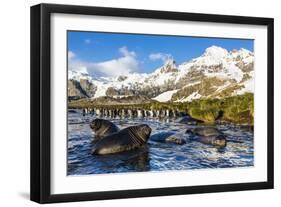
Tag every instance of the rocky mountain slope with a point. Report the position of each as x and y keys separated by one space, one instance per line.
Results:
x=217 y=73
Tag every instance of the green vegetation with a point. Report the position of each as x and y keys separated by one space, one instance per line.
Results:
x=239 y=109
x=236 y=109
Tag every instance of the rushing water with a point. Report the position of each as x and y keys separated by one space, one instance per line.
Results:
x=155 y=156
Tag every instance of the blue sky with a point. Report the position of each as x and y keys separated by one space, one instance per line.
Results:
x=98 y=51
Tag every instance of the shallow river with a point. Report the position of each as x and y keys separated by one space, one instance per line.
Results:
x=155 y=156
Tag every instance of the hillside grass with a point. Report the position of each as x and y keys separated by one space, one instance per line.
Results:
x=236 y=109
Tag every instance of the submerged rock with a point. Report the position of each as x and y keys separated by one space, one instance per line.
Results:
x=187 y=120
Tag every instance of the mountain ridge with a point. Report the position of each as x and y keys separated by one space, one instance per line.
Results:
x=217 y=73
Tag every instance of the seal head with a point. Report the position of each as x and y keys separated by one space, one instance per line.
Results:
x=216 y=141
x=208 y=135
x=103 y=127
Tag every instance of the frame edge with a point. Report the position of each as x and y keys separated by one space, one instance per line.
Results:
x=270 y=102
x=39 y=109
x=35 y=138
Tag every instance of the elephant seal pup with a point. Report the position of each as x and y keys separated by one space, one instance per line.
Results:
x=161 y=136
x=102 y=128
x=217 y=141
x=126 y=139
x=168 y=137
x=204 y=131
x=208 y=135
x=175 y=140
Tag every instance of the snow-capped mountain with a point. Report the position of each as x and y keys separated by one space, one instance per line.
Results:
x=216 y=73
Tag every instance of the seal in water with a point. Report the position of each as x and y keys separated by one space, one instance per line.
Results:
x=209 y=135
x=168 y=137
x=126 y=139
x=103 y=127
x=175 y=140
x=217 y=141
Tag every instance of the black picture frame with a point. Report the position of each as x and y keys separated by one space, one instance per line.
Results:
x=41 y=99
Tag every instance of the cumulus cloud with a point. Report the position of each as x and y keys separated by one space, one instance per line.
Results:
x=124 y=51
x=75 y=64
x=123 y=65
x=71 y=55
x=160 y=56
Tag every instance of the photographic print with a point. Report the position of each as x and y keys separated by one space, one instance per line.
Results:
x=141 y=102
x=124 y=99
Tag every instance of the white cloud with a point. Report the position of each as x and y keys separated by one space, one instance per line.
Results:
x=124 y=51
x=160 y=56
x=77 y=65
x=71 y=55
x=74 y=63
x=87 y=41
x=123 y=65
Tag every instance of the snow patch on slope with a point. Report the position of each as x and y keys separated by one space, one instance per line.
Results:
x=194 y=95
x=249 y=86
x=166 y=96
